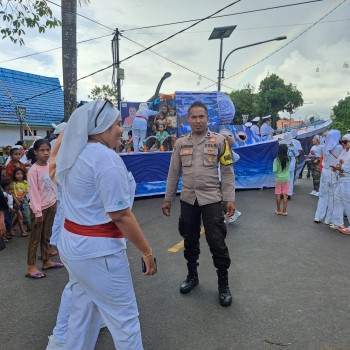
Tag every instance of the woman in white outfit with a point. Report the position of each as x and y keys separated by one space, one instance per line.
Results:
x=96 y=195
x=139 y=125
x=342 y=169
x=328 y=183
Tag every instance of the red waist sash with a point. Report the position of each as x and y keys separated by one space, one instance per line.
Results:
x=139 y=116
x=108 y=230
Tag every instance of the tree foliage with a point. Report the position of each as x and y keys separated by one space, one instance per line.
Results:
x=20 y=14
x=275 y=96
x=272 y=97
x=244 y=101
x=104 y=92
x=341 y=115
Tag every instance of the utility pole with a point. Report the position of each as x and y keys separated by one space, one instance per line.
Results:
x=117 y=76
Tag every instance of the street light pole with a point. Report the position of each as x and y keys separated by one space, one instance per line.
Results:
x=221 y=33
x=245 y=46
x=116 y=65
x=220 y=62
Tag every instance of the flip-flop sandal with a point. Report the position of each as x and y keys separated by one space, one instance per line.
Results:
x=57 y=265
x=278 y=212
x=36 y=276
x=24 y=234
x=285 y=214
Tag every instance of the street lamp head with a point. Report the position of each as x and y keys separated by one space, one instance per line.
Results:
x=166 y=75
x=221 y=32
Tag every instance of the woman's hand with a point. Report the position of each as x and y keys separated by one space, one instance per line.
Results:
x=151 y=267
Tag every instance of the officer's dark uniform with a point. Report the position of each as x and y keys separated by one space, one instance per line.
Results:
x=199 y=161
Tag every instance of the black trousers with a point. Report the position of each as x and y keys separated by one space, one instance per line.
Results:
x=215 y=232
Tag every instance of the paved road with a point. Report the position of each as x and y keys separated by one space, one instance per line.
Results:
x=289 y=278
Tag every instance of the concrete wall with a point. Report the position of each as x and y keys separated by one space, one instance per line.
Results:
x=9 y=135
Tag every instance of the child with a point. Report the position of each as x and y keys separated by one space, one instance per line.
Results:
x=7 y=186
x=161 y=135
x=172 y=125
x=3 y=209
x=15 y=155
x=19 y=197
x=282 y=177
x=314 y=155
x=43 y=208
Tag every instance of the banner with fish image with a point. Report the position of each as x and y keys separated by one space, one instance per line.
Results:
x=221 y=110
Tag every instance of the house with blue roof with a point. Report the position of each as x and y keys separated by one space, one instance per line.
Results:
x=39 y=98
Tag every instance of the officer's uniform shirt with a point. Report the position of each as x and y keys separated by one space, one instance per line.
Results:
x=266 y=130
x=198 y=160
x=254 y=128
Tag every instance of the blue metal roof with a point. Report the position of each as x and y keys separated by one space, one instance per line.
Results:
x=24 y=87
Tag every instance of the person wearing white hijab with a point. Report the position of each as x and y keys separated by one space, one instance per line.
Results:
x=96 y=195
x=342 y=170
x=292 y=153
x=328 y=182
x=139 y=125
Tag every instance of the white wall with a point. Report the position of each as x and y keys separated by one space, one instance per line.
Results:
x=9 y=135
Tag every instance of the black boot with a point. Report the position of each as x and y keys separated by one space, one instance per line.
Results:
x=191 y=280
x=225 y=297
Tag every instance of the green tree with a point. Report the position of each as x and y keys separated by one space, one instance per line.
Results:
x=275 y=96
x=104 y=92
x=244 y=101
x=341 y=115
x=20 y=14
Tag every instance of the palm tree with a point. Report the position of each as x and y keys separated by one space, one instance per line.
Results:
x=69 y=54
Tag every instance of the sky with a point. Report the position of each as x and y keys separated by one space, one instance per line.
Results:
x=313 y=57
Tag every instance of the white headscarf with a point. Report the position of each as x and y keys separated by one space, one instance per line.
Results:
x=319 y=138
x=287 y=139
x=346 y=136
x=81 y=124
x=332 y=140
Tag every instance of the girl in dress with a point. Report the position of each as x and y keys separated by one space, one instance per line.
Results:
x=43 y=208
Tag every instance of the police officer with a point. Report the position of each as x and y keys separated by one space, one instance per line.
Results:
x=198 y=156
x=254 y=128
x=266 y=130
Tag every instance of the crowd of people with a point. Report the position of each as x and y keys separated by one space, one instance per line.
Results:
x=150 y=130
x=88 y=219
x=329 y=160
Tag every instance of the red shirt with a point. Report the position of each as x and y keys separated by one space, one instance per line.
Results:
x=11 y=166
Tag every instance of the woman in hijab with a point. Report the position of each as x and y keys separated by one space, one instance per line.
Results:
x=328 y=182
x=97 y=193
x=342 y=170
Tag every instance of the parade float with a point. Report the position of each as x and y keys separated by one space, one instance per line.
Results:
x=253 y=170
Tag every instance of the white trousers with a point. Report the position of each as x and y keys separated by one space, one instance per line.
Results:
x=291 y=182
x=139 y=132
x=58 y=220
x=102 y=290
x=342 y=202
x=326 y=198
x=64 y=311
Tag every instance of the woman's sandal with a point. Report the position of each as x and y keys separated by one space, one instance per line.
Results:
x=285 y=213
x=278 y=212
x=24 y=234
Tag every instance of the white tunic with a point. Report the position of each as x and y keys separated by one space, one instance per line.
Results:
x=266 y=130
x=97 y=184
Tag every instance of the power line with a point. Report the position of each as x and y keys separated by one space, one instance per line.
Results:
x=56 y=48
x=227 y=15
x=172 y=61
x=282 y=47
x=89 y=19
x=249 y=28
x=182 y=30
